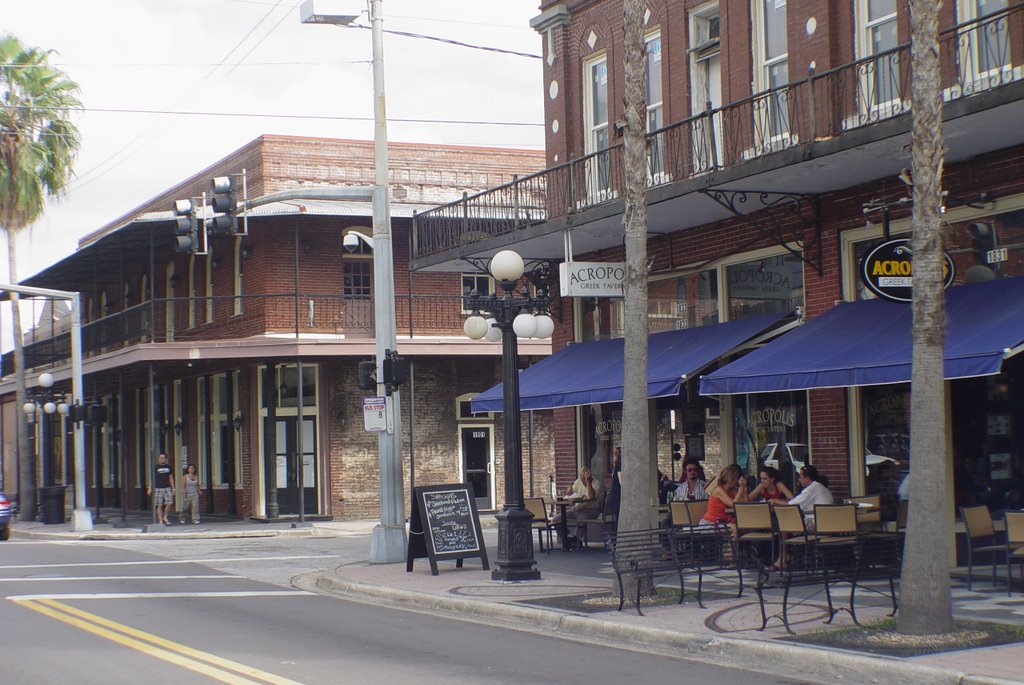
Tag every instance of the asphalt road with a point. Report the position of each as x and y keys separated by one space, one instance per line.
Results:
x=206 y=611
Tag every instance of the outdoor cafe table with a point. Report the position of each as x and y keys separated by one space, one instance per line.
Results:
x=563 y=524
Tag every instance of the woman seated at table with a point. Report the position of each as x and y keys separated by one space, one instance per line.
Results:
x=814 y=491
x=731 y=488
x=771 y=489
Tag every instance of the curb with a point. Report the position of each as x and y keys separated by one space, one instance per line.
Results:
x=142 y=535
x=815 y=664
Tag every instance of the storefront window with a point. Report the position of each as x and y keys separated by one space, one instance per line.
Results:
x=683 y=301
x=765 y=286
x=771 y=429
x=886 y=442
x=288 y=385
x=987 y=421
x=601 y=317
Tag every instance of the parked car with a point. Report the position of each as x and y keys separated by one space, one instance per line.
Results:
x=5 y=517
x=797 y=453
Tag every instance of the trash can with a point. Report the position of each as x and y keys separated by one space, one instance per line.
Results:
x=51 y=504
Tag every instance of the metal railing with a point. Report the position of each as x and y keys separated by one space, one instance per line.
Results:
x=199 y=319
x=976 y=56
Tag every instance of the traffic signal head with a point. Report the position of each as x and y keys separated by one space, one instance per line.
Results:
x=186 y=226
x=222 y=224
x=367 y=375
x=396 y=370
x=223 y=200
x=676 y=453
x=96 y=413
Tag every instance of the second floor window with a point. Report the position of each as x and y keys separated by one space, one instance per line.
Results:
x=655 y=120
x=357 y=277
x=880 y=77
x=772 y=68
x=481 y=283
x=596 y=106
x=984 y=45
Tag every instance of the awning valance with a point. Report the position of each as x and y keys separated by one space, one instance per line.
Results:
x=869 y=343
x=592 y=372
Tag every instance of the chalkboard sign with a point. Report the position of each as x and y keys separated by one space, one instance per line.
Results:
x=445 y=525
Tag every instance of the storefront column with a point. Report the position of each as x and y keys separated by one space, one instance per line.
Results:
x=950 y=485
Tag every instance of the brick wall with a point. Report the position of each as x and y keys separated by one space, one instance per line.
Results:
x=354 y=463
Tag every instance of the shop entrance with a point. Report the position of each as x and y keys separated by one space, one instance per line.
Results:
x=287 y=453
x=477 y=448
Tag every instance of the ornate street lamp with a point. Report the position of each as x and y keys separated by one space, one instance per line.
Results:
x=47 y=403
x=511 y=315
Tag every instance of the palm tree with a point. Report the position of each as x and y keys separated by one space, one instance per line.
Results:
x=637 y=471
x=38 y=146
x=925 y=604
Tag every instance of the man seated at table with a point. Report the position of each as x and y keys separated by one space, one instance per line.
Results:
x=587 y=493
x=692 y=485
x=815 y=491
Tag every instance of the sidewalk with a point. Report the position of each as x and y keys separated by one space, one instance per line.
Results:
x=724 y=633
x=137 y=525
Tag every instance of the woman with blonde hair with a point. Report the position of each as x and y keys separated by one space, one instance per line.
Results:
x=730 y=488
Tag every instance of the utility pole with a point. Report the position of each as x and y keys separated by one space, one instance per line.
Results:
x=388 y=542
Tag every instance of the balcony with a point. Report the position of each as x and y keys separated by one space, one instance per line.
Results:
x=831 y=130
x=310 y=315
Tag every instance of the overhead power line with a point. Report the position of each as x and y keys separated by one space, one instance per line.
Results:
x=450 y=41
x=323 y=117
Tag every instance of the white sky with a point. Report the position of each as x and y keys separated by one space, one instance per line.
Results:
x=163 y=55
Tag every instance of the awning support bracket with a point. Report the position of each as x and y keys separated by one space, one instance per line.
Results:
x=785 y=218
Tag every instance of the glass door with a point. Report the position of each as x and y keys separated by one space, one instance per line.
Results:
x=287 y=453
x=476 y=445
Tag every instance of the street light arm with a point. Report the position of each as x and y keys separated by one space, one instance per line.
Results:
x=335 y=193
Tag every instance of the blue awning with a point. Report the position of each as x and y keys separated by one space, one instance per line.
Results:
x=868 y=343
x=591 y=372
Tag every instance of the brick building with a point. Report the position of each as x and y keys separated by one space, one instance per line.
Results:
x=778 y=158
x=198 y=354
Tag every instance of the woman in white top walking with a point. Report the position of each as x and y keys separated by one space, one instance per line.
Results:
x=193 y=489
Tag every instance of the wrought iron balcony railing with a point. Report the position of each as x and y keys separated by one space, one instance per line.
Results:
x=201 y=319
x=976 y=56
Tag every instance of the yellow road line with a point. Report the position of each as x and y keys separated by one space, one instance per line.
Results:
x=210 y=665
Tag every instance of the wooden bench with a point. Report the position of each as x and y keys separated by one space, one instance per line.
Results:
x=670 y=551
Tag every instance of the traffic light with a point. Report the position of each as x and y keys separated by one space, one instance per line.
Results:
x=186 y=226
x=983 y=241
x=367 y=375
x=223 y=200
x=676 y=453
x=396 y=369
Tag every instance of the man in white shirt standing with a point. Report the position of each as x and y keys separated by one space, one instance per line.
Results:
x=813 y=492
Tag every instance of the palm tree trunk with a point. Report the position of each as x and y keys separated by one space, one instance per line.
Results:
x=925 y=604
x=26 y=458
x=637 y=473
